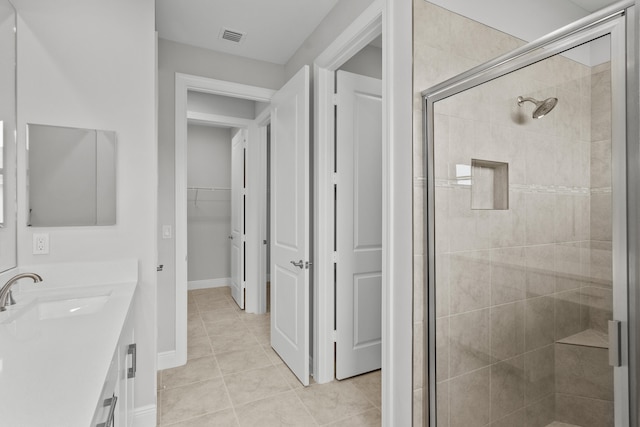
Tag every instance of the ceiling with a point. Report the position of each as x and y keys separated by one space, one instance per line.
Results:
x=275 y=29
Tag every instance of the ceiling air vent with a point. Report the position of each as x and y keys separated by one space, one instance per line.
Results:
x=232 y=35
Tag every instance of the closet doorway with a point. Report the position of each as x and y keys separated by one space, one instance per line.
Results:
x=209 y=219
x=220 y=107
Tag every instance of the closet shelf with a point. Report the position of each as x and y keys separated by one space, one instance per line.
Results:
x=214 y=189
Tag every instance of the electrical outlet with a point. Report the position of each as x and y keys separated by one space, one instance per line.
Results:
x=40 y=243
x=166 y=231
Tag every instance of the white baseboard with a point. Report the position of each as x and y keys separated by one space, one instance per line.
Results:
x=145 y=416
x=209 y=283
x=166 y=360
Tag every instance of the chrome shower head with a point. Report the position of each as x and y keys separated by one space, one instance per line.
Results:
x=542 y=107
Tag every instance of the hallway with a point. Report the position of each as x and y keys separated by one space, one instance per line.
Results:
x=234 y=378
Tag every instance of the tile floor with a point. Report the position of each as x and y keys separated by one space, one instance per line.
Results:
x=234 y=378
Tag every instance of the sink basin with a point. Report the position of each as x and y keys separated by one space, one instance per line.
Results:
x=47 y=308
x=70 y=307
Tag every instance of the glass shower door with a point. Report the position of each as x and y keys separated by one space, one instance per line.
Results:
x=527 y=256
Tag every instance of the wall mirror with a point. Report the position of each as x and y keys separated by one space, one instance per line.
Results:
x=8 y=248
x=71 y=176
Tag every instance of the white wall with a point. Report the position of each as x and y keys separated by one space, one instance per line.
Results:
x=175 y=57
x=336 y=21
x=8 y=250
x=208 y=218
x=91 y=64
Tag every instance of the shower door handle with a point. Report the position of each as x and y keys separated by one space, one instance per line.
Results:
x=614 y=343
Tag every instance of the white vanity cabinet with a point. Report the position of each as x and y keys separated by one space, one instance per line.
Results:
x=80 y=320
x=116 y=404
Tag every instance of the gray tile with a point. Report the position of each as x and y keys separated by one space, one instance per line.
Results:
x=196 y=370
x=470 y=281
x=540 y=413
x=281 y=410
x=442 y=285
x=540 y=218
x=571 y=268
x=507 y=387
x=583 y=411
x=198 y=347
x=183 y=403
x=583 y=371
x=541 y=277
x=418 y=402
x=219 y=315
x=598 y=306
x=601 y=227
x=470 y=399
x=507 y=330
x=515 y=419
x=442 y=349
x=442 y=403
x=242 y=360
x=241 y=340
x=256 y=384
x=332 y=402
x=469 y=347
x=539 y=366
x=370 y=418
x=225 y=418
x=567 y=314
x=371 y=387
x=539 y=322
x=508 y=275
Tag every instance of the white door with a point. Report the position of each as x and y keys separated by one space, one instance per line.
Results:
x=237 y=217
x=358 y=224
x=290 y=224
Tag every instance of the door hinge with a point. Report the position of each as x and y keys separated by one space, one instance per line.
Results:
x=335 y=99
x=334 y=178
x=335 y=256
x=334 y=336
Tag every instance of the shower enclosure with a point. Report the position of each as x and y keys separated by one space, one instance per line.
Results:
x=530 y=224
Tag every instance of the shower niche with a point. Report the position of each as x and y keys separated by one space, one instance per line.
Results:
x=521 y=286
x=489 y=185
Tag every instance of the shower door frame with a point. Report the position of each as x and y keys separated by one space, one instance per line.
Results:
x=620 y=21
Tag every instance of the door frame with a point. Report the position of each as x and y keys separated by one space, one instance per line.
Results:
x=359 y=34
x=183 y=84
x=392 y=18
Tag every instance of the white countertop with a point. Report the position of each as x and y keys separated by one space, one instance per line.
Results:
x=52 y=371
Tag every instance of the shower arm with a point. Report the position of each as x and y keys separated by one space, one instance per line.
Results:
x=521 y=100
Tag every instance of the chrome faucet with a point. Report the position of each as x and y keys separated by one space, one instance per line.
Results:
x=6 y=299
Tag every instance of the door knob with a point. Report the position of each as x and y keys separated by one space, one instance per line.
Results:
x=299 y=264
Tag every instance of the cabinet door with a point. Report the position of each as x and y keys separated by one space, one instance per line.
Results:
x=127 y=369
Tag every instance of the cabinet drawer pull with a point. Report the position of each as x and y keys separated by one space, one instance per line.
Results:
x=112 y=410
x=132 y=350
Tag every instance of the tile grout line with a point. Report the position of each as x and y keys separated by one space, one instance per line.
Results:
x=224 y=382
x=295 y=392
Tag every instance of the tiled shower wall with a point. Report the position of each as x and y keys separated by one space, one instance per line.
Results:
x=512 y=282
